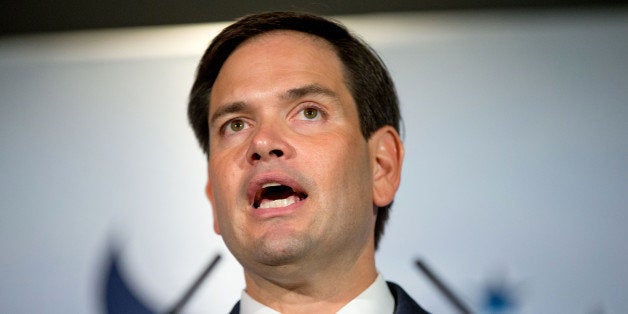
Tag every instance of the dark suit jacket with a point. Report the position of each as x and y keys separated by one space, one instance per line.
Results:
x=403 y=302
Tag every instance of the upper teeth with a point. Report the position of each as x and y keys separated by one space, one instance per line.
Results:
x=270 y=184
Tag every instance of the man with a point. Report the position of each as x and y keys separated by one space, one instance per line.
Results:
x=299 y=121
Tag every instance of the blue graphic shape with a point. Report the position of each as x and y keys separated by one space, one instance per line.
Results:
x=118 y=296
x=499 y=298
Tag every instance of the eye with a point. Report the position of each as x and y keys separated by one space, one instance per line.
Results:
x=234 y=126
x=310 y=113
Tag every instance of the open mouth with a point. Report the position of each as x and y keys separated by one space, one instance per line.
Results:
x=275 y=195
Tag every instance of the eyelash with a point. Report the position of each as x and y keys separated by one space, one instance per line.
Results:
x=224 y=129
x=321 y=114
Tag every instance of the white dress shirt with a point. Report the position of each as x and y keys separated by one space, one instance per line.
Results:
x=376 y=299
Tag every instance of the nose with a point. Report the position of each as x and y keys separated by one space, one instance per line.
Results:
x=269 y=142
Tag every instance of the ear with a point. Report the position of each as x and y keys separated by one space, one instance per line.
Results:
x=209 y=192
x=386 y=157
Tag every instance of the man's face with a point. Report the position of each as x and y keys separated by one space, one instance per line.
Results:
x=290 y=174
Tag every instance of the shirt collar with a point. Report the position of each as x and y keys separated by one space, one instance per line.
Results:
x=375 y=299
x=248 y=305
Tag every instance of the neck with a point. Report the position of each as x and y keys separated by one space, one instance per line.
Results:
x=320 y=288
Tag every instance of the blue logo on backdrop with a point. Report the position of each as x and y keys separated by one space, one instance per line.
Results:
x=119 y=298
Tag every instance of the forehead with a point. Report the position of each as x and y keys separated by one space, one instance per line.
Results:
x=290 y=48
x=283 y=35
x=276 y=60
x=282 y=42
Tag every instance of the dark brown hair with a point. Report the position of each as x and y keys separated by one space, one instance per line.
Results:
x=366 y=75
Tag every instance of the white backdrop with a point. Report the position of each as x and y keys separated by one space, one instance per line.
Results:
x=516 y=169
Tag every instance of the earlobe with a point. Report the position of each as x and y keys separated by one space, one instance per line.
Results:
x=210 y=196
x=387 y=156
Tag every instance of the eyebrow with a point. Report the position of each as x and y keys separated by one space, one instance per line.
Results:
x=307 y=90
x=229 y=108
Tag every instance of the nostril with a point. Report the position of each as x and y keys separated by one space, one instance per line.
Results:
x=276 y=152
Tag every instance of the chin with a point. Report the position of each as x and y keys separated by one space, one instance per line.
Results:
x=282 y=251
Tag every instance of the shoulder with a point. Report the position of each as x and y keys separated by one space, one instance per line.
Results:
x=404 y=304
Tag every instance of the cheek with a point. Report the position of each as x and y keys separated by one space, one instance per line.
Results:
x=222 y=177
x=344 y=165
x=220 y=164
